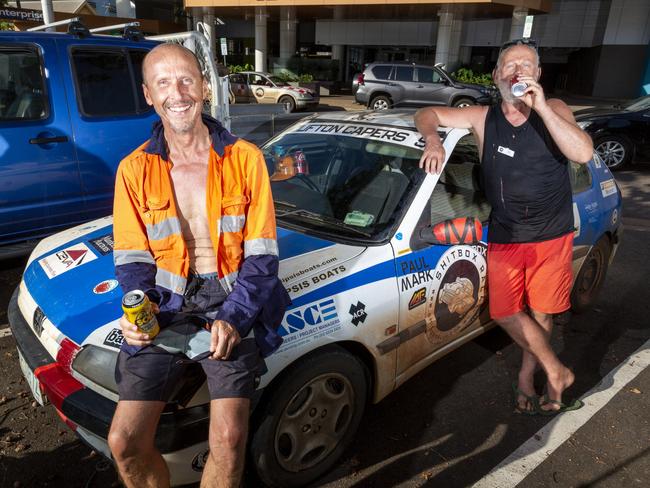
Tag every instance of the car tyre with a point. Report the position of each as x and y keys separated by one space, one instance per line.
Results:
x=309 y=417
x=615 y=151
x=464 y=102
x=289 y=102
x=591 y=276
x=380 y=102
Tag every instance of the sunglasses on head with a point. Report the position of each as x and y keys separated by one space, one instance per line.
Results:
x=525 y=41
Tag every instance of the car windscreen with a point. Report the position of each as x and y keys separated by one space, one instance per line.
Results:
x=351 y=187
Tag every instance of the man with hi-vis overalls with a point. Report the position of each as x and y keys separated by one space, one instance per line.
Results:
x=525 y=142
x=194 y=228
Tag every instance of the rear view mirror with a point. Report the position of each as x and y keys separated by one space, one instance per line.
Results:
x=452 y=232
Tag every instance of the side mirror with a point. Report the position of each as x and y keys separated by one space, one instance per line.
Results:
x=452 y=232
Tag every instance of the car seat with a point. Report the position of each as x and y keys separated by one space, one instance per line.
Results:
x=29 y=98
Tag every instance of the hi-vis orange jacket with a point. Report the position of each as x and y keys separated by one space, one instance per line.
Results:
x=150 y=253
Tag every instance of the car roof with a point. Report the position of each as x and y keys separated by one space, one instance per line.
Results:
x=394 y=118
x=93 y=38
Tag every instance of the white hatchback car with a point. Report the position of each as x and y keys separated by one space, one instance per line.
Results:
x=375 y=299
x=258 y=87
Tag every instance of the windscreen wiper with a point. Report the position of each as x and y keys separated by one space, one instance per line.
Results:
x=299 y=212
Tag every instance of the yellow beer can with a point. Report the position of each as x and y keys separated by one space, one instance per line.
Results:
x=138 y=311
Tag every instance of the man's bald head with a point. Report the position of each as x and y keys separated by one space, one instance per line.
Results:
x=163 y=51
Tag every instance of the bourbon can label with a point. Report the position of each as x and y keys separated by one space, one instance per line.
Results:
x=138 y=311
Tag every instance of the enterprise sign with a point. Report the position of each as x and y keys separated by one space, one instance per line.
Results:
x=21 y=14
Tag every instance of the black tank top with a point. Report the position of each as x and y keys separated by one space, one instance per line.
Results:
x=526 y=180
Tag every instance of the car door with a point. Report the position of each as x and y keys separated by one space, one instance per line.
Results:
x=403 y=76
x=642 y=133
x=430 y=87
x=40 y=188
x=262 y=88
x=110 y=117
x=443 y=293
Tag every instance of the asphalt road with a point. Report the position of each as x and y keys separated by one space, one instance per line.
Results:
x=451 y=424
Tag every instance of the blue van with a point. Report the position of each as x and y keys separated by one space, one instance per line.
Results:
x=71 y=107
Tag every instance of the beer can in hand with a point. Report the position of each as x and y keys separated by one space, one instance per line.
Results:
x=138 y=311
x=301 y=163
x=518 y=88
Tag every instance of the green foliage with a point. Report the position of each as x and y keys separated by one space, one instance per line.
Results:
x=466 y=75
x=238 y=68
x=286 y=75
x=5 y=25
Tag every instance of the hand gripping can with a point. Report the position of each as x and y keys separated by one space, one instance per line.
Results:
x=138 y=311
x=518 y=88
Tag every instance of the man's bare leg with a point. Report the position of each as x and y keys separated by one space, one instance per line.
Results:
x=131 y=440
x=529 y=363
x=228 y=435
x=532 y=338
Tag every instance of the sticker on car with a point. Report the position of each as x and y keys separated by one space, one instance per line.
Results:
x=66 y=259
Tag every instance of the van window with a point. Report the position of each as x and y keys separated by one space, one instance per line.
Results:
x=22 y=88
x=106 y=84
x=381 y=72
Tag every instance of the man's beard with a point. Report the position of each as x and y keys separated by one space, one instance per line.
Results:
x=506 y=92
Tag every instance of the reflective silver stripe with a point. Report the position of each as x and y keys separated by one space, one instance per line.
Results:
x=255 y=247
x=228 y=281
x=164 y=229
x=121 y=257
x=170 y=281
x=231 y=223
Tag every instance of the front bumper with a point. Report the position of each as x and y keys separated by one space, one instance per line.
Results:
x=307 y=103
x=80 y=406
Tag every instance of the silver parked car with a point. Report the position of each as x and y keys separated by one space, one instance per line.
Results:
x=258 y=87
x=393 y=85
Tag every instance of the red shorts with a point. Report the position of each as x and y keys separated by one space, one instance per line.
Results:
x=536 y=274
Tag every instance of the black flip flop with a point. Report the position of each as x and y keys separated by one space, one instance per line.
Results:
x=533 y=401
x=574 y=404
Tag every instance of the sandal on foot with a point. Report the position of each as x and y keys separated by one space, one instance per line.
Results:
x=530 y=401
x=574 y=404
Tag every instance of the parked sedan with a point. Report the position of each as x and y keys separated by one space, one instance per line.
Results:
x=257 y=87
x=621 y=134
x=375 y=296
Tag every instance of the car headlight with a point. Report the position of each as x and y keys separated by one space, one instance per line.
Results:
x=584 y=124
x=97 y=364
x=304 y=95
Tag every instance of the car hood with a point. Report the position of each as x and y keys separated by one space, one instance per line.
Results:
x=473 y=86
x=71 y=276
x=597 y=112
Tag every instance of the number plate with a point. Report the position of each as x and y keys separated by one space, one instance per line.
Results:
x=32 y=381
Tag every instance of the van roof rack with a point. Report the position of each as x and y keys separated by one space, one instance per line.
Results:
x=131 y=30
x=75 y=27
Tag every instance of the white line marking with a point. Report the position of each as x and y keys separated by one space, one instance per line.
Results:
x=512 y=470
x=4 y=332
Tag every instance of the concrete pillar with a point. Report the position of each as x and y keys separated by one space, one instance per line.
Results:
x=287 y=33
x=123 y=9
x=208 y=22
x=338 y=50
x=518 y=21
x=48 y=13
x=260 y=38
x=454 y=45
x=444 y=35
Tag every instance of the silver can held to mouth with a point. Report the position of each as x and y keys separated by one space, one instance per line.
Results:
x=518 y=88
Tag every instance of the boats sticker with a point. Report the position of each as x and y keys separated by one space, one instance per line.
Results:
x=66 y=259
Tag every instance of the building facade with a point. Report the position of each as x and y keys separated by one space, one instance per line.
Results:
x=587 y=47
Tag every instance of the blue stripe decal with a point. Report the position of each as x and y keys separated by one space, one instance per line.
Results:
x=292 y=244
